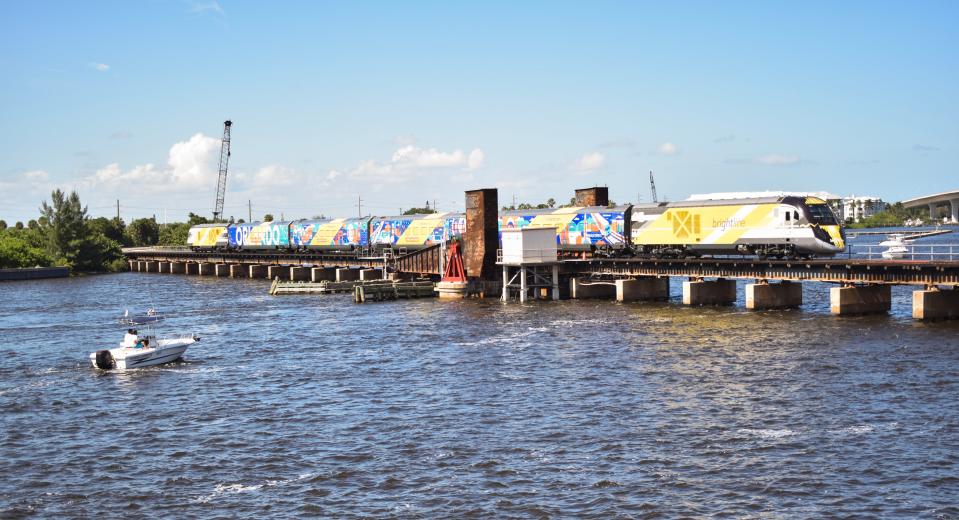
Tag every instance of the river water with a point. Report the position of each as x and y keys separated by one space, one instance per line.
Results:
x=313 y=406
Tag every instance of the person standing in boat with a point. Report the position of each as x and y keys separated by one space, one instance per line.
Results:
x=130 y=339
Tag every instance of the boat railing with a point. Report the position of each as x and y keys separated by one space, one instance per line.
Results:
x=928 y=252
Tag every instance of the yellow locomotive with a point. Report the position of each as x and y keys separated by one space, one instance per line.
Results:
x=774 y=226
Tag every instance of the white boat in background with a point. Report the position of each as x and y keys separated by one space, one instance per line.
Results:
x=158 y=352
x=896 y=246
x=132 y=319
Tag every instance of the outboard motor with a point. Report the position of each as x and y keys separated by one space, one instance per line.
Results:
x=105 y=360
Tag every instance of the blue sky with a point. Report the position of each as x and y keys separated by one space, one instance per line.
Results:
x=403 y=103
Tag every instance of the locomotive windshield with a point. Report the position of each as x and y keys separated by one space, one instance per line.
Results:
x=821 y=214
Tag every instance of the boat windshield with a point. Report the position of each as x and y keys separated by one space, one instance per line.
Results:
x=821 y=214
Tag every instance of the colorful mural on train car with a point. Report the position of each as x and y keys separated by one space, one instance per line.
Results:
x=453 y=227
x=576 y=227
x=303 y=231
x=352 y=232
x=423 y=228
x=386 y=231
x=259 y=235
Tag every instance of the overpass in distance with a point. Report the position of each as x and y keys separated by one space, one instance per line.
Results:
x=934 y=201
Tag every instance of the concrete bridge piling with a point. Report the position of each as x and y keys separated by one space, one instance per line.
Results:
x=860 y=299
x=764 y=295
x=646 y=288
x=935 y=304
x=709 y=292
x=323 y=274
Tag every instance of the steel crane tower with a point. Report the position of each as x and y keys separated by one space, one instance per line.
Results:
x=652 y=186
x=221 y=180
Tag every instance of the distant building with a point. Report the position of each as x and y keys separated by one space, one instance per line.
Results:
x=855 y=209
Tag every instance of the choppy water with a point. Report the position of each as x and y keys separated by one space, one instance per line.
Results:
x=314 y=406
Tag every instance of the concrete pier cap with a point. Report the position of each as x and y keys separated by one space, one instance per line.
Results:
x=323 y=274
x=177 y=267
x=580 y=288
x=277 y=271
x=764 y=295
x=860 y=299
x=192 y=268
x=347 y=275
x=371 y=274
x=257 y=271
x=221 y=270
x=646 y=288
x=709 y=292
x=299 y=274
x=933 y=303
x=205 y=269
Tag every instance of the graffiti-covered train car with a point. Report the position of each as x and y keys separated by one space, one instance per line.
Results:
x=259 y=235
x=416 y=231
x=339 y=234
x=577 y=228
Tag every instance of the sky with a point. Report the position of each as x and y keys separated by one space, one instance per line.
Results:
x=399 y=103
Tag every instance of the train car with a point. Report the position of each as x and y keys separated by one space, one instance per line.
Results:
x=207 y=237
x=577 y=228
x=259 y=236
x=776 y=226
x=416 y=231
x=340 y=234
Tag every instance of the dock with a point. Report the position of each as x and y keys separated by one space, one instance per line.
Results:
x=363 y=290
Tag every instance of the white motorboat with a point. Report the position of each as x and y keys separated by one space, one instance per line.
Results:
x=896 y=246
x=143 y=351
x=142 y=319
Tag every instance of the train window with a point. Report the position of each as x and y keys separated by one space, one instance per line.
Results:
x=788 y=215
x=795 y=215
x=821 y=214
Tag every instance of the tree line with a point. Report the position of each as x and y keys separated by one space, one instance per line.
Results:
x=64 y=234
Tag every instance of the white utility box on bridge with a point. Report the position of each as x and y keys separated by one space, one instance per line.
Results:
x=529 y=246
x=533 y=252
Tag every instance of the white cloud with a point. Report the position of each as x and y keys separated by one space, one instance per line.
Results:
x=199 y=7
x=274 y=175
x=589 y=162
x=102 y=67
x=189 y=167
x=475 y=160
x=37 y=176
x=667 y=149
x=190 y=160
x=777 y=160
x=409 y=162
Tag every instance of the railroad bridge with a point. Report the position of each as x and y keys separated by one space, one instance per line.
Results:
x=863 y=285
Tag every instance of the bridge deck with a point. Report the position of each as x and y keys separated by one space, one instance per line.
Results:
x=838 y=270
